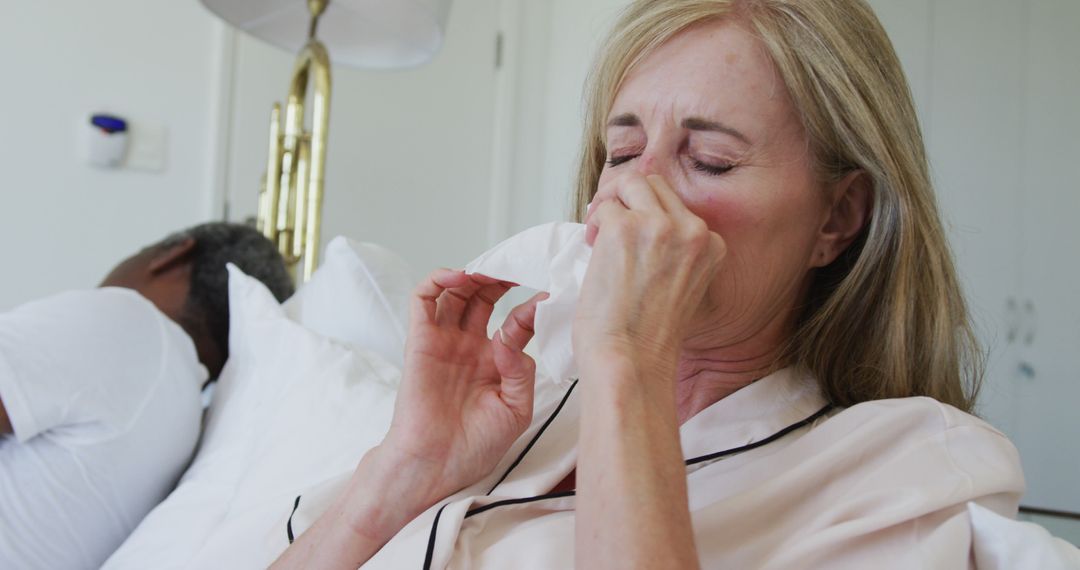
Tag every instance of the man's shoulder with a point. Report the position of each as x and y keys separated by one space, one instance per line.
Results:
x=103 y=336
x=107 y=301
x=117 y=298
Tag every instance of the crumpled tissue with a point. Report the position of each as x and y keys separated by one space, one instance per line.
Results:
x=551 y=257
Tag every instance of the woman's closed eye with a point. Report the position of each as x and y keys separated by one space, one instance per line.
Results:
x=712 y=169
x=617 y=160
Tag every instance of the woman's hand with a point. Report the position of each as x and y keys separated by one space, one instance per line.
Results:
x=652 y=264
x=464 y=398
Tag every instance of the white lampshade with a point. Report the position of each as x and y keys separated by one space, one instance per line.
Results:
x=376 y=34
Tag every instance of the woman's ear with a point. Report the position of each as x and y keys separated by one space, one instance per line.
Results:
x=852 y=198
x=168 y=257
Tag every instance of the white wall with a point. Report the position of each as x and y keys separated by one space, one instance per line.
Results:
x=555 y=51
x=409 y=162
x=409 y=152
x=66 y=224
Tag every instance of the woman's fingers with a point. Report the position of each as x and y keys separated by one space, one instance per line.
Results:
x=478 y=310
x=423 y=307
x=642 y=194
x=604 y=213
x=517 y=369
x=517 y=329
x=647 y=197
x=637 y=193
x=650 y=204
x=450 y=297
x=631 y=191
x=518 y=377
x=454 y=301
x=665 y=194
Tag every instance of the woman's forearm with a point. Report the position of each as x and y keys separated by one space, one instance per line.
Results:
x=380 y=500
x=632 y=507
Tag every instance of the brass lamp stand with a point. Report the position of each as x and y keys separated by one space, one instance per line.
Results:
x=290 y=202
x=372 y=34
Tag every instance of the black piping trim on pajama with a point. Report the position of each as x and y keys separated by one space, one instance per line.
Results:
x=521 y=501
x=288 y=525
x=535 y=438
x=693 y=461
x=435 y=523
x=431 y=539
x=689 y=462
x=754 y=445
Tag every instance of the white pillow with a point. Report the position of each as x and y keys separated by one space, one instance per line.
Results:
x=999 y=543
x=292 y=409
x=360 y=296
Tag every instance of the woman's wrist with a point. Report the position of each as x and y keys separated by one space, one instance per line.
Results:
x=630 y=462
x=362 y=519
x=382 y=474
x=635 y=364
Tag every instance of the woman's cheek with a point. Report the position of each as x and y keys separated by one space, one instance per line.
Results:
x=723 y=215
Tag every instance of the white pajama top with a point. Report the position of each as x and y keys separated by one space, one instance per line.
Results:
x=777 y=478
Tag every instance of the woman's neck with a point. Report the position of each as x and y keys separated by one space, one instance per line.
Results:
x=706 y=377
x=711 y=369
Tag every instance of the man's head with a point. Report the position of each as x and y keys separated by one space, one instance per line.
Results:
x=184 y=275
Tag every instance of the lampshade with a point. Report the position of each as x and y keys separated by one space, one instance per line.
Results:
x=376 y=34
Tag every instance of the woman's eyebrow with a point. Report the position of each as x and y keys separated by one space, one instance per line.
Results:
x=624 y=120
x=696 y=124
x=691 y=124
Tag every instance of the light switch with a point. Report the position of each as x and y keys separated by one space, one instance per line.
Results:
x=147 y=147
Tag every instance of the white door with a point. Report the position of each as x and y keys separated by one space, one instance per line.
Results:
x=973 y=122
x=1047 y=382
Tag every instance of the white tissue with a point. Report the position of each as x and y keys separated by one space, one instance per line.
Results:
x=552 y=258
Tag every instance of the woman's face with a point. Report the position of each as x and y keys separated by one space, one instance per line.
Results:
x=708 y=112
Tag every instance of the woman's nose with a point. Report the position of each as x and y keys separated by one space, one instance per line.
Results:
x=652 y=163
x=644 y=165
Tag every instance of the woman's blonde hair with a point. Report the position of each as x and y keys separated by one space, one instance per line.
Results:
x=887 y=319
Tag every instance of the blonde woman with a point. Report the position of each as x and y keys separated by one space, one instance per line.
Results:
x=776 y=363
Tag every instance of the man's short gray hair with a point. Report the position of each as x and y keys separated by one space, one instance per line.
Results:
x=217 y=244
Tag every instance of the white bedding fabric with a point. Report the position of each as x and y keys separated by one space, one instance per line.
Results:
x=1001 y=543
x=360 y=296
x=292 y=408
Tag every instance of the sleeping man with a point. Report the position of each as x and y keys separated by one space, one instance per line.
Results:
x=100 y=393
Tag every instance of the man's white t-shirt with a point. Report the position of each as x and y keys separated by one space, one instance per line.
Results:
x=103 y=393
